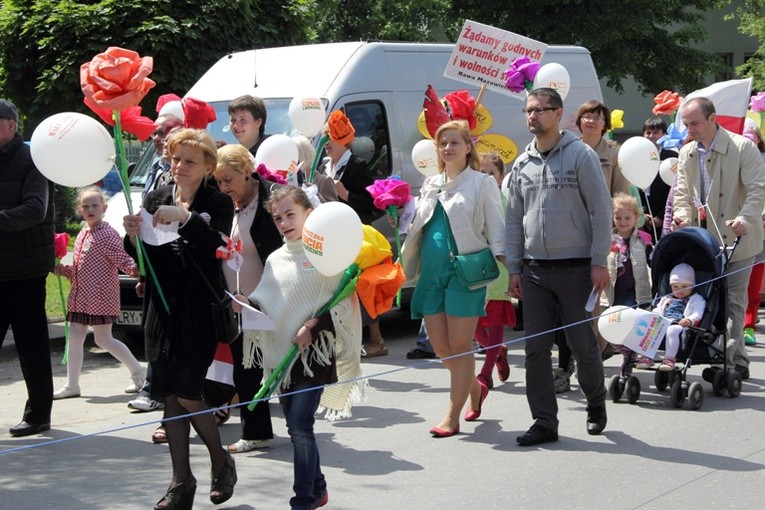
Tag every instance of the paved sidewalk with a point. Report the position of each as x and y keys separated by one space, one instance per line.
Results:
x=99 y=455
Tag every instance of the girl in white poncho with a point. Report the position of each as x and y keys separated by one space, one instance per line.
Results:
x=290 y=292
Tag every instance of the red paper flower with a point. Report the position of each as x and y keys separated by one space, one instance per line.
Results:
x=270 y=176
x=389 y=192
x=116 y=79
x=166 y=98
x=60 y=244
x=435 y=111
x=667 y=103
x=131 y=120
x=196 y=113
x=461 y=106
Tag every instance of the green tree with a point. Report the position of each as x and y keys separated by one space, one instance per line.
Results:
x=646 y=40
x=752 y=22
x=353 y=20
x=44 y=42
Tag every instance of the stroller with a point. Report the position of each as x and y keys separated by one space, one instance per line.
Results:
x=702 y=345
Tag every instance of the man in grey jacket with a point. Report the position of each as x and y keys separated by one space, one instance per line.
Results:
x=557 y=235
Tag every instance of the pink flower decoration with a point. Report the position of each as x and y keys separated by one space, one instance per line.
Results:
x=268 y=175
x=757 y=103
x=389 y=192
x=60 y=244
x=521 y=74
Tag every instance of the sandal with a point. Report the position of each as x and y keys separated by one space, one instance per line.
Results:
x=374 y=351
x=245 y=445
x=222 y=486
x=223 y=414
x=159 y=435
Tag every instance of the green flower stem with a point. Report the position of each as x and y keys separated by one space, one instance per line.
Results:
x=392 y=211
x=65 y=359
x=125 y=180
x=274 y=380
x=315 y=163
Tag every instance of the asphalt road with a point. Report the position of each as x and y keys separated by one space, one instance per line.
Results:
x=99 y=455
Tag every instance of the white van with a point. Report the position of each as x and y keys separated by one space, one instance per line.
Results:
x=381 y=88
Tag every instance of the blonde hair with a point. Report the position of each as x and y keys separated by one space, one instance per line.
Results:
x=625 y=201
x=237 y=158
x=306 y=152
x=462 y=128
x=91 y=190
x=195 y=138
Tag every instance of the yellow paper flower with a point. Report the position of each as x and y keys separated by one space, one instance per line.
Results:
x=616 y=119
x=374 y=249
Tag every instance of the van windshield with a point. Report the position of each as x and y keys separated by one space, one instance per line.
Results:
x=277 y=121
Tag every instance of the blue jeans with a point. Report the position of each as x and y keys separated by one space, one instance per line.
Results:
x=299 y=411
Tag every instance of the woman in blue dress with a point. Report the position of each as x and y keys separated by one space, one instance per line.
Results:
x=471 y=200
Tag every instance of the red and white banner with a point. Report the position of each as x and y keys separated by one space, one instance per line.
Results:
x=731 y=100
x=222 y=368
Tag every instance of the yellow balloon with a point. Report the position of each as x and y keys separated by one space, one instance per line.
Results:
x=500 y=144
x=483 y=118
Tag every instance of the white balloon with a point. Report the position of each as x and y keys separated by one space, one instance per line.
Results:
x=639 y=161
x=616 y=323
x=174 y=108
x=332 y=237
x=665 y=170
x=72 y=149
x=277 y=152
x=553 y=76
x=425 y=158
x=307 y=115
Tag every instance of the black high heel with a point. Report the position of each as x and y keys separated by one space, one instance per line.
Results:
x=224 y=482
x=180 y=497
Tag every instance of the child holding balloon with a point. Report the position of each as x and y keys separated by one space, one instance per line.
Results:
x=629 y=281
x=94 y=298
x=291 y=291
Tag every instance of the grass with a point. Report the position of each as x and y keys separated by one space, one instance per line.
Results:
x=53 y=306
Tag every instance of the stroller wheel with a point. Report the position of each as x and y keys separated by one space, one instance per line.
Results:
x=676 y=396
x=633 y=390
x=661 y=380
x=719 y=383
x=695 y=396
x=708 y=373
x=616 y=388
x=734 y=384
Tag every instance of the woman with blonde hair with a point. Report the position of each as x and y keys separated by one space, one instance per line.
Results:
x=469 y=201
x=254 y=228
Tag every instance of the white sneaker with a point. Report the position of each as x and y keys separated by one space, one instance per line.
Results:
x=144 y=403
x=67 y=392
x=137 y=381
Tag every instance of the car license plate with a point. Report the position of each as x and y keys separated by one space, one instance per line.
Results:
x=130 y=317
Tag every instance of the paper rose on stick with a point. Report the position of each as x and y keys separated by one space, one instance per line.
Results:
x=667 y=103
x=60 y=248
x=757 y=102
x=521 y=74
x=117 y=78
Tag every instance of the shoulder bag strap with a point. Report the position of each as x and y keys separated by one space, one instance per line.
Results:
x=206 y=280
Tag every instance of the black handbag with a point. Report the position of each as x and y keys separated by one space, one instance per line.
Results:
x=225 y=321
x=476 y=269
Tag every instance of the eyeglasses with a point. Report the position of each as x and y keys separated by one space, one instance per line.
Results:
x=538 y=111
x=592 y=118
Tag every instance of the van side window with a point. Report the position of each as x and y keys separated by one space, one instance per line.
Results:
x=372 y=143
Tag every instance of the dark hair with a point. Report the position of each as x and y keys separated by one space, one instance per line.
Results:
x=551 y=94
x=655 y=123
x=252 y=104
x=594 y=106
x=706 y=106
x=295 y=193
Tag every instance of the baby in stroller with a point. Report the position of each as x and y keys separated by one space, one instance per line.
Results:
x=684 y=307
